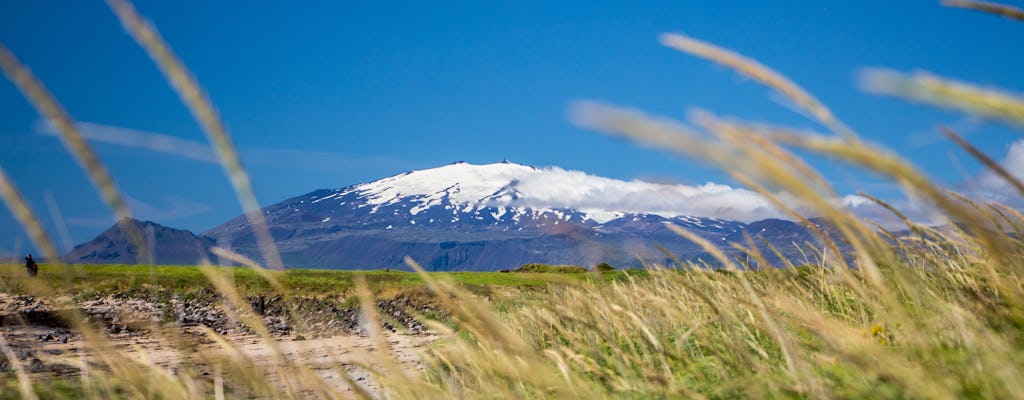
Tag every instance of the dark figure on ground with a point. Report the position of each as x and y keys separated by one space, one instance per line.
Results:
x=30 y=266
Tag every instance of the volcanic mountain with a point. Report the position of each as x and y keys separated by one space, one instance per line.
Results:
x=496 y=216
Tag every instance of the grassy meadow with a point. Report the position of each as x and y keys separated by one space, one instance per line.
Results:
x=97 y=280
x=931 y=312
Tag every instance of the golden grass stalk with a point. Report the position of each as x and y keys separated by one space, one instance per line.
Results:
x=883 y=162
x=864 y=354
x=783 y=342
x=464 y=304
x=758 y=72
x=384 y=355
x=941 y=92
x=294 y=375
x=240 y=309
x=270 y=276
x=24 y=382
x=662 y=134
x=1003 y=208
x=1013 y=222
x=984 y=158
x=185 y=84
x=253 y=265
x=783 y=169
x=26 y=217
x=735 y=154
x=1002 y=10
x=902 y=217
x=47 y=106
x=492 y=357
x=780 y=156
x=779 y=204
x=237 y=362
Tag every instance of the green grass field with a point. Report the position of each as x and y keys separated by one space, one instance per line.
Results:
x=91 y=280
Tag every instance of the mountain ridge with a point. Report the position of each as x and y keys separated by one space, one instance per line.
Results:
x=167 y=246
x=463 y=216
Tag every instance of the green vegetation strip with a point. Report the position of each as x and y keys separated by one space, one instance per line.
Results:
x=85 y=280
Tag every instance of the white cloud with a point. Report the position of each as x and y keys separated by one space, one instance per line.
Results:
x=157 y=142
x=202 y=152
x=994 y=186
x=915 y=210
x=576 y=189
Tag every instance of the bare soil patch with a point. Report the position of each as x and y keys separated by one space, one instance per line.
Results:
x=324 y=336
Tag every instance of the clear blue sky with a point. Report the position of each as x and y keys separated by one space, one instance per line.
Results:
x=328 y=94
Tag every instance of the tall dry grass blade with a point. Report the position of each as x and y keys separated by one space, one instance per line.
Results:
x=750 y=250
x=735 y=156
x=202 y=109
x=775 y=153
x=228 y=255
x=941 y=92
x=984 y=158
x=701 y=294
x=782 y=206
x=236 y=360
x=24 y=382
x=1011 y=211
x=901 y=171
x=464 y=305
x=899 y=215
x=270 y=276
x=384 y=354
x=781 y=168
x=1012 y=222
x=47 y=106
x=42 y=241
x=664 y=134
x=242 y=311
x=848 y=345
x=1002 y=10
x=785 y=345
x=758 y=72
x=24 y=215
x=58 y=221
x=71 y=314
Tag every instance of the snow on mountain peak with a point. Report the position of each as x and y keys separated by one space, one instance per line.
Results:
x=508 y=185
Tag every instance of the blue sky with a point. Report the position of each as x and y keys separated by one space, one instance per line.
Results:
x=329 y=94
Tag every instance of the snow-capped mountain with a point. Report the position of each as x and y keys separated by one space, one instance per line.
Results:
x=487 y=217
x=517 y=189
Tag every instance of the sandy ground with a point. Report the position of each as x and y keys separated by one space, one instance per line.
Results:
x=46 y=351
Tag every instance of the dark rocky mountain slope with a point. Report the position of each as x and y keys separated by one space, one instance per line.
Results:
x=168 y=246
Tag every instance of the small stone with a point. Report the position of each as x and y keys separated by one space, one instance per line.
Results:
x=36 y=365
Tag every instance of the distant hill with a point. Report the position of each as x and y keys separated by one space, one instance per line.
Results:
x=168 y=245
